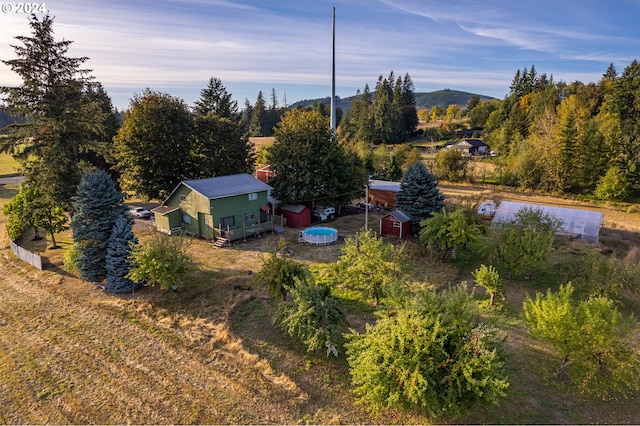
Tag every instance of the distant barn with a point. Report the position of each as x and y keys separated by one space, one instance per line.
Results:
x=383 y=193
x=581 y=224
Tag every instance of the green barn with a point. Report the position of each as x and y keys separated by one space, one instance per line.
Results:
x=220 y=208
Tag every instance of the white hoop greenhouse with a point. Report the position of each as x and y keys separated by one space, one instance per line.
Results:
x=581 y=224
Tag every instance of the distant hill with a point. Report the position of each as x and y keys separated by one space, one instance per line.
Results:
x=442 y=98
x=6 y=118
x=343 y=103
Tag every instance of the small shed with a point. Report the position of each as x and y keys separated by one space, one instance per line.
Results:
x=297 y=215
x=395 y=223
x=265 y=174
x=383 y=193
x=581 y=224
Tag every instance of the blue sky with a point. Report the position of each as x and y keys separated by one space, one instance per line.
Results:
x=175 y=46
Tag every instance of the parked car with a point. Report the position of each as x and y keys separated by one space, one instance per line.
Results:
x=140 y=213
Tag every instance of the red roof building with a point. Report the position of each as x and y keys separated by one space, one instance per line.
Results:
x=395 y=223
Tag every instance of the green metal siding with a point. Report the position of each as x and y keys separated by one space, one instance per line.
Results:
x=205 y=215
x=239 y=207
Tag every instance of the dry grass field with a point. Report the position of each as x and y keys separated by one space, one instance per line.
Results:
x=71 y=353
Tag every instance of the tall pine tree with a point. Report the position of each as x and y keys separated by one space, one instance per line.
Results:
x=59 y=120
x=215 y=100
x=220 y=145
x=97 y=206
x=419 y=195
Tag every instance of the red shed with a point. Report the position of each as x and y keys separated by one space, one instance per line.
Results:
x=298 y=216
x=395 y=223
x=265 y=174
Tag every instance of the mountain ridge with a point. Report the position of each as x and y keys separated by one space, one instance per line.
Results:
x=441 y=98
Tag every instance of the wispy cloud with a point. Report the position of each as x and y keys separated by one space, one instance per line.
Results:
x=255 y=45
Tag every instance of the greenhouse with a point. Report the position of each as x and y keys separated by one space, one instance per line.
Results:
x=581 y=224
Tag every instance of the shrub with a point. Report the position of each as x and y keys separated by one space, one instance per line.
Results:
x=71 y=259
x=431 y=354
x=596 y=344
x=312 y=317
x=162 y=261
x=279 y=273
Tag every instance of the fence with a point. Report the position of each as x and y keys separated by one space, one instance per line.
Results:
x=26 y=255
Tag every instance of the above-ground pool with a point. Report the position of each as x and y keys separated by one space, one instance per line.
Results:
x=320 y=235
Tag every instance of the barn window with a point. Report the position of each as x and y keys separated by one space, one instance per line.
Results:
x=253 y=196
x=396 y=224
x=186 y=218
x=183 y=197
x=248 y=217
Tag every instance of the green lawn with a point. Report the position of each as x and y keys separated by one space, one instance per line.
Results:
x=8 y=166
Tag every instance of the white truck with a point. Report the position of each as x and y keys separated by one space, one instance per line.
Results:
x=324 y=213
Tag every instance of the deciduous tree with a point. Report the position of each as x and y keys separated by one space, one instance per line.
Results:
x=153 y=146
x=448 y=231
x=451 y=165
x=432 y=354
x=488 y=277
x=594 y=341
x=524 y=243
x=309 y=164
x=370 y=265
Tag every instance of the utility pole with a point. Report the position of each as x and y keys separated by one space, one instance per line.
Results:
x=366 y=207
x=333 y=71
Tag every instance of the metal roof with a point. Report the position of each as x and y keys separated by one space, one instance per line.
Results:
x=384 y=185
x=295 y=208
x=227 y=186
x=399 y=215
x=164 y=209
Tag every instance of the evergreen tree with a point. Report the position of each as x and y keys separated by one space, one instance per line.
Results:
x=388 y=124
x=59 y=120
x=624 y=100
x=313 y=316
x=220 y=145
x=245 y=116
x=215 y=100
x=408 y=105
x=357 y=124
x=258 y=123
x=419 y=195
x=394 y=172
x=117 y=258
x=97 y=206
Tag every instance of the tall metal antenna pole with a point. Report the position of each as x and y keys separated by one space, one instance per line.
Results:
x=333 y=71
